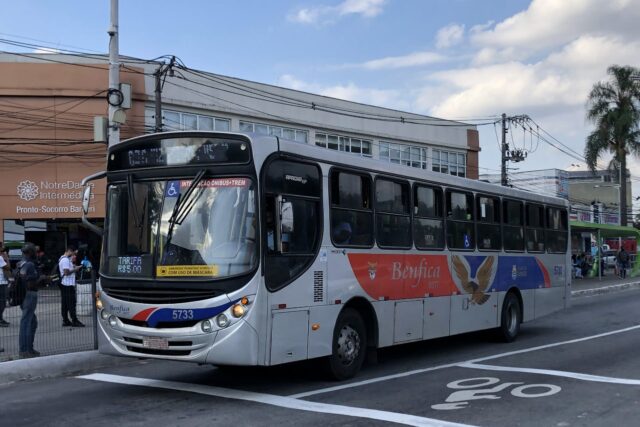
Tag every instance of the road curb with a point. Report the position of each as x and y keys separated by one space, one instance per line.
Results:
x=605 y=289
x=57 y=365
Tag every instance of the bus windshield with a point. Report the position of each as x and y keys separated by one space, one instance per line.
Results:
x=202 y=228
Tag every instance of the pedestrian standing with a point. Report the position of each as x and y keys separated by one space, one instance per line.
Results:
x=623 y=260
x=29 y=322
x=68 y=287
x=5 y=274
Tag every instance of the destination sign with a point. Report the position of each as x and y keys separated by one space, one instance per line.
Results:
x=180 y=151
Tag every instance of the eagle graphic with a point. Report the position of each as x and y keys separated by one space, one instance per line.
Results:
x=477 y=290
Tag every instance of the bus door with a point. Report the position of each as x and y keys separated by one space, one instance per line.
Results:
x=294 y=275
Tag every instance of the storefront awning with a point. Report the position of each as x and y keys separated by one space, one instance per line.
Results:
x=606 y=230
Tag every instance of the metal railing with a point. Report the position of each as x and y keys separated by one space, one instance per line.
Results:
x=51 y=336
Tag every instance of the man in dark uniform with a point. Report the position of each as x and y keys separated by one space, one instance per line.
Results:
x=29 y=321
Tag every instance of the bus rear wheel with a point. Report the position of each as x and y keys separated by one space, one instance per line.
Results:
x=349 y=345
x=510 y=318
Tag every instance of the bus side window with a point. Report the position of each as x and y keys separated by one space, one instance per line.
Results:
x=535 y=228
x=512 y=229
x=460 y=224
x=428 y=227
x=488 y=214
x=351 y=209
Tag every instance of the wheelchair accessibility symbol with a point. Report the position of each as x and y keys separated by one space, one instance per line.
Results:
x=173 y=189
x=476 y=389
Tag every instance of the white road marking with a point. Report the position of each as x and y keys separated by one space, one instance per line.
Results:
x=373 y=380
x=565 y=374
x=280 y=401
x=543 y=347
x=450 y=365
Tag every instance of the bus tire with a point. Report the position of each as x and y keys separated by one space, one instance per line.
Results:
x=349 y=347
x=510 y=318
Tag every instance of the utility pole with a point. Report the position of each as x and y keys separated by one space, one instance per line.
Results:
x=504 y=150
x=114 y=72
x=160 y=76
x=516 y=155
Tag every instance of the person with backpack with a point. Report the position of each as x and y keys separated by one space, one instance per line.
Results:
x=68 y=287
x=28 y=277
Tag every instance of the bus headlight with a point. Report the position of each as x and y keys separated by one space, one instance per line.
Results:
x=222 y=320
x=113 y=322
x=104 y=314
x=238 y=310
x=206 y=326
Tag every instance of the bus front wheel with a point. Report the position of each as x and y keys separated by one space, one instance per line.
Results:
x=349 y=345
x=510 y=318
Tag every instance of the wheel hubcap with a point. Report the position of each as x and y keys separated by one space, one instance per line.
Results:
x=348 y=345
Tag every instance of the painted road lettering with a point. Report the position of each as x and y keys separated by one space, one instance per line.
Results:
x=469 y=389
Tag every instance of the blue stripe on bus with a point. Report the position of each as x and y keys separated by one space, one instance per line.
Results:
x=523 y=272
x=167 y=314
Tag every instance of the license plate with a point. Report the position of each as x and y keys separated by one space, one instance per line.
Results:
x=156 y=343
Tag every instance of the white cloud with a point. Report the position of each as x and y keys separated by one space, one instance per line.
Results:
x=449 y=36
x=559 y=81
x=351 y=92
x=327 y=14
x=410 y=60
x=551 y=23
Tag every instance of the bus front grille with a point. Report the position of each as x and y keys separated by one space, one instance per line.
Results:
x=160 y=325
x=159 y=352
x=159 y=296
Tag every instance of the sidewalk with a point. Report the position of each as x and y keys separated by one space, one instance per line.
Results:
x=73 y=363
x=608 y=283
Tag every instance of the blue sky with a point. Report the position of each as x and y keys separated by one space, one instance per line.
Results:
x=448 y=58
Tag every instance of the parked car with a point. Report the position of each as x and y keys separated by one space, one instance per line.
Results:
x=610 y=258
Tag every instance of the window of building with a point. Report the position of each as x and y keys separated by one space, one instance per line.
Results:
x=360 y=147
x=393 y=220
x=292 y=134
x=535 y=228
x=449 y=162
x=513 y=222
x=428 y=224
x=176 y=120
x=460 y=229
x=351 y=209
x=556 y=232
x=488 y=217
x=408 y=155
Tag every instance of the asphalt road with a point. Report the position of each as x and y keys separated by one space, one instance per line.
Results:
x=575 y=368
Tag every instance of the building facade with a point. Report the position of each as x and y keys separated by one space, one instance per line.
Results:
x=48 y=102
x=594 y=196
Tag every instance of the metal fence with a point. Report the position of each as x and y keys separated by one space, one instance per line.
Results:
x=51 y=336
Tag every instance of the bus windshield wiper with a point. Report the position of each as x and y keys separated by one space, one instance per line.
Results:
x=184 y=204
x=137 y=221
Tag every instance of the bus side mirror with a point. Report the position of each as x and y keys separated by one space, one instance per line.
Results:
x=86 y=201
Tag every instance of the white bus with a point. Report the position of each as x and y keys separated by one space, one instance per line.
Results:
x=241 y=249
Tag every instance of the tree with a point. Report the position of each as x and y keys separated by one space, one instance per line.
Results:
x=614 y=108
